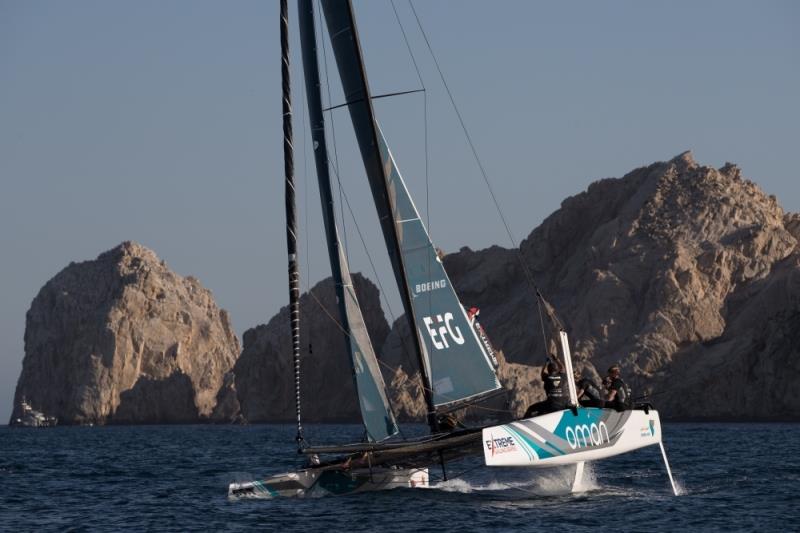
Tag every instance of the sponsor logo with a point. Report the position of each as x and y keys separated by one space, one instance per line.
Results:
x=419 y=288
x=501 y=445
x=586 y=435
x=649 y=430
x=486 y=344
x=440 y=328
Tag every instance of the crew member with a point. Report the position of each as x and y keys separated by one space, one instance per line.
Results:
x=555 y=387
x=619 y=394
x=449 y=422
x=588 y=393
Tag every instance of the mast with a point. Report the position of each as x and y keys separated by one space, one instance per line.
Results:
x=376 y=413
x=291 y=215
x=347 y=49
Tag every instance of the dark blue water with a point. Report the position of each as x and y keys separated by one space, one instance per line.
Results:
x=733 y=477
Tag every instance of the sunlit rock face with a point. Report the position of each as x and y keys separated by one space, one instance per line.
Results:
x=123 y=339
x=684 y=274
x=264 y=374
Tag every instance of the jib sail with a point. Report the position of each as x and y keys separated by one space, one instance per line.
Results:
x=458 y=364
x=455 y=367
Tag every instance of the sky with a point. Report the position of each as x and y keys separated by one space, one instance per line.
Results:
x=160 y=122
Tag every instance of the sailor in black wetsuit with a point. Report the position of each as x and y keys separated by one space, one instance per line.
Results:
x=555 y=387
x=589 y=394
x=619 y=394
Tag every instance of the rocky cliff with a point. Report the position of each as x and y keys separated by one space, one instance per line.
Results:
x=684 y=274
x=123 y=339
x=264 y=374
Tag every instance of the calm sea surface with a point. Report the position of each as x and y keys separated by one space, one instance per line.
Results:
x=733 y=477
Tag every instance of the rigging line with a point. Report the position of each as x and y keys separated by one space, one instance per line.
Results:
x=343 y=329
x=428 y=195
x=393 y=369
x=545 y=338
x=376 y=97
x=335 y=163
x=343 y=199
x=385 y=299
x=408 y=45
x=421 y=385
x=476 y=406
x=305 y=128
x=525 y=269
x=425 y=140
x=463 y=125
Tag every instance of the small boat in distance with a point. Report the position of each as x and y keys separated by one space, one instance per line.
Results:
x=32 y=418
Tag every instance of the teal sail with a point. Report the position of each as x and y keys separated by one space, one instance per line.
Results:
x=459 y=367
x=376 y=413
x=347 y=50
x=379 y=421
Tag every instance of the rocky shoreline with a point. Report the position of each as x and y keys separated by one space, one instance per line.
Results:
x=686 y=275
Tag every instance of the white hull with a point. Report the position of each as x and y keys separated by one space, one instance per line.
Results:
x=564 y=437
x=551 y=440
x=321 y=482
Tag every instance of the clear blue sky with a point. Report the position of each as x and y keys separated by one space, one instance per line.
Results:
x=159 y=122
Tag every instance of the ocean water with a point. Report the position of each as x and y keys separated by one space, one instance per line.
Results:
x=174 y=478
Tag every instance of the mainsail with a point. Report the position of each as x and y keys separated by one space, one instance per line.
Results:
x=347 y=50
x=454 y=363
x=458 y=364
x=376 y=413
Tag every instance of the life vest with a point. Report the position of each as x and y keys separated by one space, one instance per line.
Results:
x=555 y=386
x=590 y=389
x=624 y=396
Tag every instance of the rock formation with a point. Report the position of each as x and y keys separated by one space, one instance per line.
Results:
x=264 y=382
x=685 y=274
x=123 y=339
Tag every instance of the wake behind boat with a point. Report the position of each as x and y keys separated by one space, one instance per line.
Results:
x=455 y=360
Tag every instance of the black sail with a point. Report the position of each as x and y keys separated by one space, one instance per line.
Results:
x=376 y=413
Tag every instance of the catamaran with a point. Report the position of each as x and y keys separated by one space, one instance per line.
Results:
x=456 y=362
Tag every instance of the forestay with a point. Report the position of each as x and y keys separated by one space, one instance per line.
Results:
x=458 y=365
